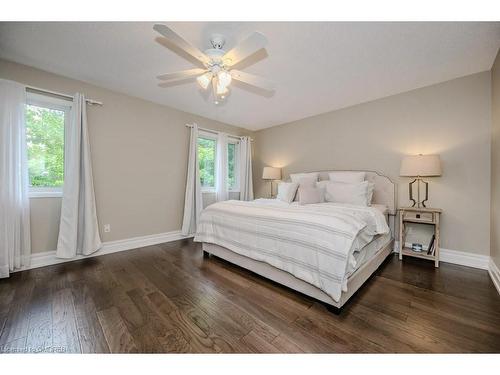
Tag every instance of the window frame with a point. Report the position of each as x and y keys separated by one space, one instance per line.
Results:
x=54 y=103
x=213 y=137
x=236 y=142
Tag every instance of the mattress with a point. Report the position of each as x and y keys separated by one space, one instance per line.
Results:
x=367 y=252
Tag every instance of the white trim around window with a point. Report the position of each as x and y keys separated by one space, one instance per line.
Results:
x=45 y=192
x=208 y=190
x=48 y=101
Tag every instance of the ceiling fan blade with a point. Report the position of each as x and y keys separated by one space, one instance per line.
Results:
x=249 y=46
x=253 y=80
x=181 y=74
x=176 y=39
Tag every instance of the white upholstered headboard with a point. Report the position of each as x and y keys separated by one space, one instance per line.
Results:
x=385 y=189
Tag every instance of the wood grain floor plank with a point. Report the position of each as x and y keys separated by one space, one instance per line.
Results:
x=257 y=344
x=39 y=337
x=90 y=332
x=115 y=331
x=198 y=339
x=285 y=345
x=159 y=329
x=15 y=346
x=64 y=330
x=223 y=332
x=17 y=321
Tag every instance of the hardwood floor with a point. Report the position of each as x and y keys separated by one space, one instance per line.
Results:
x=168 y=298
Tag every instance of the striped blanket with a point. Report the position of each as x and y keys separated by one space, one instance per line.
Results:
x=315 y=243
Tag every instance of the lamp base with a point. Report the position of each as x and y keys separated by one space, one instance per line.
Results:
x=418 y=202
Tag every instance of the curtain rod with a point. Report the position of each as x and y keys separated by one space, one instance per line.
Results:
x=217 y=132
x=70 y=97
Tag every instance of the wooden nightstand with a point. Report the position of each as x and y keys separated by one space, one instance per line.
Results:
x=420 y=215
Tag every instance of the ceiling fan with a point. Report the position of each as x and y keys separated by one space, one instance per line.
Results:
x=217 y=63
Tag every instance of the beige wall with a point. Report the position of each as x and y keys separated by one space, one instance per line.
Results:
x=139 y=157
x=495 y=161
x=452 y=119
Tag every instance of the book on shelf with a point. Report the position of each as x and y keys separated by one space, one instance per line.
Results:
x=430 y=248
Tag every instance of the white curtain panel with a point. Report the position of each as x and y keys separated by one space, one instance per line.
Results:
x=78 y=229
x=221 y=191
x=246 y=185
x=193 y=201
x=15 y=241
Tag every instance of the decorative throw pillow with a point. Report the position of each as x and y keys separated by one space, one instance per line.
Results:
x=348 y=177
x=308 y=195
x=305 y=182
x=286 y=191
x=358 y=194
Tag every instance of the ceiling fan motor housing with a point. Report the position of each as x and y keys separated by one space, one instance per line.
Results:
x=217 y=41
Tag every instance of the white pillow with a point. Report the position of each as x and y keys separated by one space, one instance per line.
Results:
x=347 y=176
x=296 y=177
x=286 y=191
x=359 y=194
x=305 y=182
x=311 y=195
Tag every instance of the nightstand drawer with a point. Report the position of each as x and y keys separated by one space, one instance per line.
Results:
x=424 y=217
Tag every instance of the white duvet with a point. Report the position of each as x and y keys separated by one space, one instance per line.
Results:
x=315 y=242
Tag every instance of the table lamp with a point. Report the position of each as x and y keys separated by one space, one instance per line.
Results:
x=419 y=166
x=271 y=173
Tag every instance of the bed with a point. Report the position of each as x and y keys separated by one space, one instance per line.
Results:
x=326 y=250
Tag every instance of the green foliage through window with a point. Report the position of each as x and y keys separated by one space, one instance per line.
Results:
x=206 y=161
x=45 y=141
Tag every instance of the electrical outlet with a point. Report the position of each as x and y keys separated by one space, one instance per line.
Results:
x=107 y=228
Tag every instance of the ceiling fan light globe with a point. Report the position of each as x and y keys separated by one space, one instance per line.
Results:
x=204 y=80
x=221 y=89
x=224 y=78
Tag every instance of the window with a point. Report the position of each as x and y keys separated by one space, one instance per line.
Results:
x=46 y=118
x=207 y=161
x=206 y=158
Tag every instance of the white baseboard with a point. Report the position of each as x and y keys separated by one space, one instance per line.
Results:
x=494 y=274
x=459 y=257
x=49 y=257
x=464 y=259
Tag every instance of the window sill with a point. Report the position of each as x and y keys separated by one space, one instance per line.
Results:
x=45 y=194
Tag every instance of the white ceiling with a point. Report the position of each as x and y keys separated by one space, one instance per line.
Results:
x=316 y=67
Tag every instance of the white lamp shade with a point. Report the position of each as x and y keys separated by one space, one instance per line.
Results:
x=420 y=165
x=271 y=173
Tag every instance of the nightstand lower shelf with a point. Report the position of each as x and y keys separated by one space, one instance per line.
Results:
x=423 y=254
